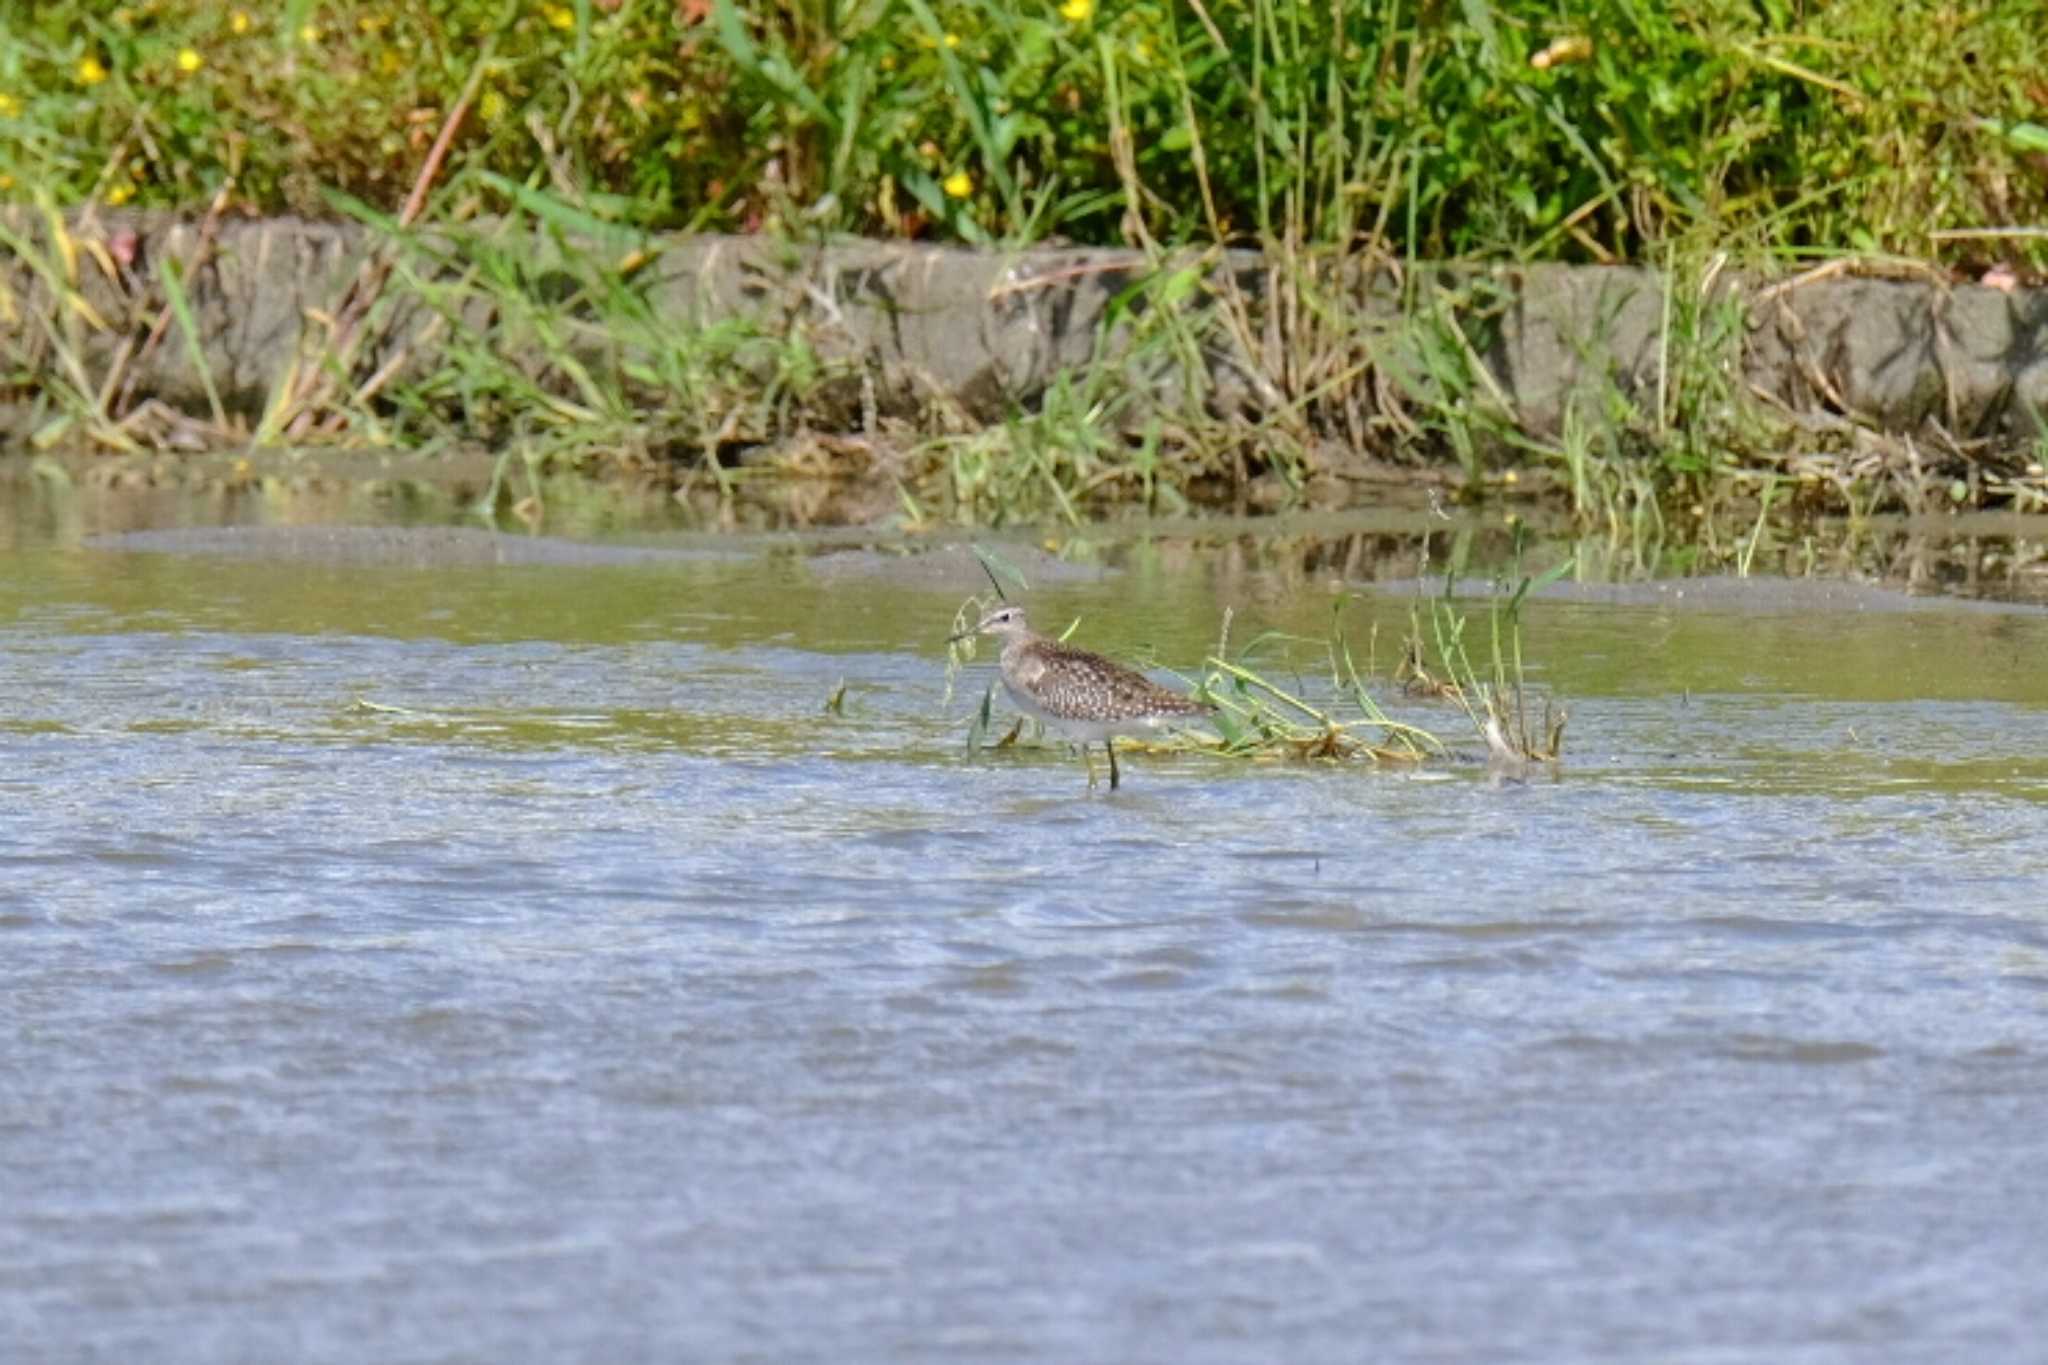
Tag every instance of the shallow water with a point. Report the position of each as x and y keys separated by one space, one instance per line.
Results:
x=517 y=961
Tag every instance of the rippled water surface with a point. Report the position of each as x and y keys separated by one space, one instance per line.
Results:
x=417 y=961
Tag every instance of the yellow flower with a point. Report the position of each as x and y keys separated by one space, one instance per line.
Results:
x=1077 y=11
x=9 y=105
x=309 y=34
x=90 y=72
x=120 y=194
x=952 y=40
x=189 y=60
x=491 y=107
x=238 y=22
x=959 y=184
x=561 y=16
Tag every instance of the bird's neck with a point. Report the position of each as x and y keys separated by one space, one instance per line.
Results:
x=1018 y=645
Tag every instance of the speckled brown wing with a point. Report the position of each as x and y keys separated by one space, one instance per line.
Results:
x=1077 y=685
x=1026 y=669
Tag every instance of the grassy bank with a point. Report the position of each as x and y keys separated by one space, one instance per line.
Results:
x=1338 y=140
x=1598 y=130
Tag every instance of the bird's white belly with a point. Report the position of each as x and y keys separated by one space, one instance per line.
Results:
x=1081 y=731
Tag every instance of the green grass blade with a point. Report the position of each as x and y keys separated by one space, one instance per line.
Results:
x=557 y=213
x=188 y=328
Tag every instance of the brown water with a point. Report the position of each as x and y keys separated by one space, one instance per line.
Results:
x=415 y=961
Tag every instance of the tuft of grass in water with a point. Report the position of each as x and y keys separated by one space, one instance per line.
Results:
x=1495 y=699
x=1257 y=717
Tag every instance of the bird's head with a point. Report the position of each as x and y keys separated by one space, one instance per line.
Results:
x=1004 y=622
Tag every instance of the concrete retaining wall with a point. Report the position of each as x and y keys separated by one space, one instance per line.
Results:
x=985 y=330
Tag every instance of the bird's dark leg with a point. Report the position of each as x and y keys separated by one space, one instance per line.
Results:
x=1110 y=745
